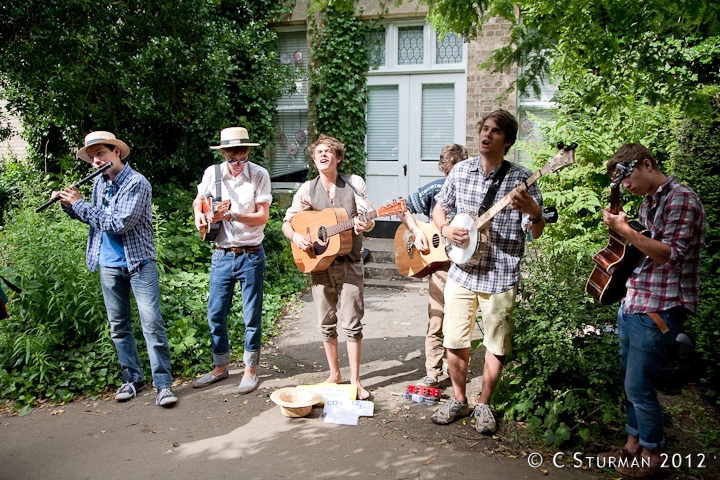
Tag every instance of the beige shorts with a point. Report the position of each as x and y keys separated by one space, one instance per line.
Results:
x=461 y=307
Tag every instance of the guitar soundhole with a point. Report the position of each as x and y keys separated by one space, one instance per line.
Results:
x=322 y=234
x=436 y=240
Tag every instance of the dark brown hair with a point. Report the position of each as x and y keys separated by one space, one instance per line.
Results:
x=629 y=152
x=506 y=123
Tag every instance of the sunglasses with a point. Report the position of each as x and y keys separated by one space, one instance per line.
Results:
x=233 y=160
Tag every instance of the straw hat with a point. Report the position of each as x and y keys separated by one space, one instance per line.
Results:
x=105 y=138
x=234 y=137
x=295 y=402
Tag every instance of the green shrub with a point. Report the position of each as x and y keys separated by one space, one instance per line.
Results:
x=697 y=164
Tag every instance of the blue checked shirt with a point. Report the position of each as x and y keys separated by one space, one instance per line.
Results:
x=499 y=267
x=129 y=213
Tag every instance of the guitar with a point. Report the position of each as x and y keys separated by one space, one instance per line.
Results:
x=330 y=232
x=614 y=263
x=471 y=252
x=208 y=206
x=412 y=262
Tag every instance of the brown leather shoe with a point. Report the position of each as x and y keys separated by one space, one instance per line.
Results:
x=617 y=454
x=640 y=469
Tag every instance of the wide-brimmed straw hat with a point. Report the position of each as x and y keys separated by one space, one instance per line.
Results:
x=105 y=138
x=295 y=402
x=234 y=137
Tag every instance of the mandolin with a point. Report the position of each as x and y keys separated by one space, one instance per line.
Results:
x=330 y=232
x=471 y=252
x=412 y=262
x=615 y=263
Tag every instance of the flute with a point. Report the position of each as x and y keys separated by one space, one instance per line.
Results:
x=76 y=184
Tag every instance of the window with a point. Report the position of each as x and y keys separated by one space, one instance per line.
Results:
x=438 y=120
x=383 y=119
x=289 y=155
x=412 y=47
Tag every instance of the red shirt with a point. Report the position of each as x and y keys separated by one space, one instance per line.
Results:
x=674 y=216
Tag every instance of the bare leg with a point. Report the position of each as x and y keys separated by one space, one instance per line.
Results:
x=458 y=367
x=331 y=352
x=491 y=374
x=249 y=371
x=219 y=369
x=354 y=349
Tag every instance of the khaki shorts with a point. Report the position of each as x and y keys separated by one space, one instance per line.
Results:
x=461 y=306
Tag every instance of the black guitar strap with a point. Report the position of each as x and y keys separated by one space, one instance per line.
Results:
x=218 y=183
x=492 y=191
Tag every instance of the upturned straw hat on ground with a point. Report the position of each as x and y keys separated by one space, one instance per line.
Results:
x=295 y=402
x=102 y=137
x=234 y=137
x=105 y=138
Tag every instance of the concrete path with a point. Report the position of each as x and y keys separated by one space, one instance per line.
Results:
x=215 y=433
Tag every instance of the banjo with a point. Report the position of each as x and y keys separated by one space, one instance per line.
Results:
x=471 y=252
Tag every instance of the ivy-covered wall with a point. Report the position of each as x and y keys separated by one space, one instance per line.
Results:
x=337 y=90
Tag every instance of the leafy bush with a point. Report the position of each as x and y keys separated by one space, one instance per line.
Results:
x=697 y=163
x=563 y=377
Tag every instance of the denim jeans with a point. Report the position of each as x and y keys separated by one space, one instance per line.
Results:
x=116 y=284
x=227 y=269
x=643 y=350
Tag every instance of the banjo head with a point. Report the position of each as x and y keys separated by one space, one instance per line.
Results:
x=462 y=254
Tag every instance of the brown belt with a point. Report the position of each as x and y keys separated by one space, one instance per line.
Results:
x=240 y=250
x=658 y=321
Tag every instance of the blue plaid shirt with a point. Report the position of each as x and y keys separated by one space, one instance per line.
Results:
x=499 y=267
x=128 y=214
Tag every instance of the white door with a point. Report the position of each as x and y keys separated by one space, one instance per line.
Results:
x=410 y=118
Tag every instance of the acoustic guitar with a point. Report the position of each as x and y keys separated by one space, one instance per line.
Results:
x=208 y=207
x=471 y=252
x=615 y=263
x=330 y=232
x=412 y=262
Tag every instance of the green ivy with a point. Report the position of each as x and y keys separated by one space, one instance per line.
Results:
x=338 y=93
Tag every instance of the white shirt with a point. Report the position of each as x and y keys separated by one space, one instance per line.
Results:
x=245 y=191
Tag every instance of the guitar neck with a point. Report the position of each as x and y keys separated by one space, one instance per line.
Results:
x=505 y=201
x=350 y=223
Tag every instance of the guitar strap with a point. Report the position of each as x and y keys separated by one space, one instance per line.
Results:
x=492 y=191
x=218 y=183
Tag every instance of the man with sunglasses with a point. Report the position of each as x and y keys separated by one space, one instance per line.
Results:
x=238 y=255
x=120 y=243
x=661 y=292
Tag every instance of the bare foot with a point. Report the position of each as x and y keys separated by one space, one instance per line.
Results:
x=362 y=394
x=332 y=379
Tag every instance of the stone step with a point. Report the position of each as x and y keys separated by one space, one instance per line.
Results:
x=410 y=285
x=382 y=250
x=385 y=271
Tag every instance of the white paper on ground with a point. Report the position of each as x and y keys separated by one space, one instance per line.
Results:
x=341 y=418
x=362 y=408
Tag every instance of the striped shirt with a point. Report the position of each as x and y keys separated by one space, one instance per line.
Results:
x=499 y=267
x=129 y=214
x=674 y=216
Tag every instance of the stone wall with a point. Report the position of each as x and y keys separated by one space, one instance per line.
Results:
x=483 y=86
x=15 y=145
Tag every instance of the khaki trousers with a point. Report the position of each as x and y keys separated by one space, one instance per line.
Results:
x=434 y=350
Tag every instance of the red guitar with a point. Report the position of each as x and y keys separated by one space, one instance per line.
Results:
x=614 y=263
